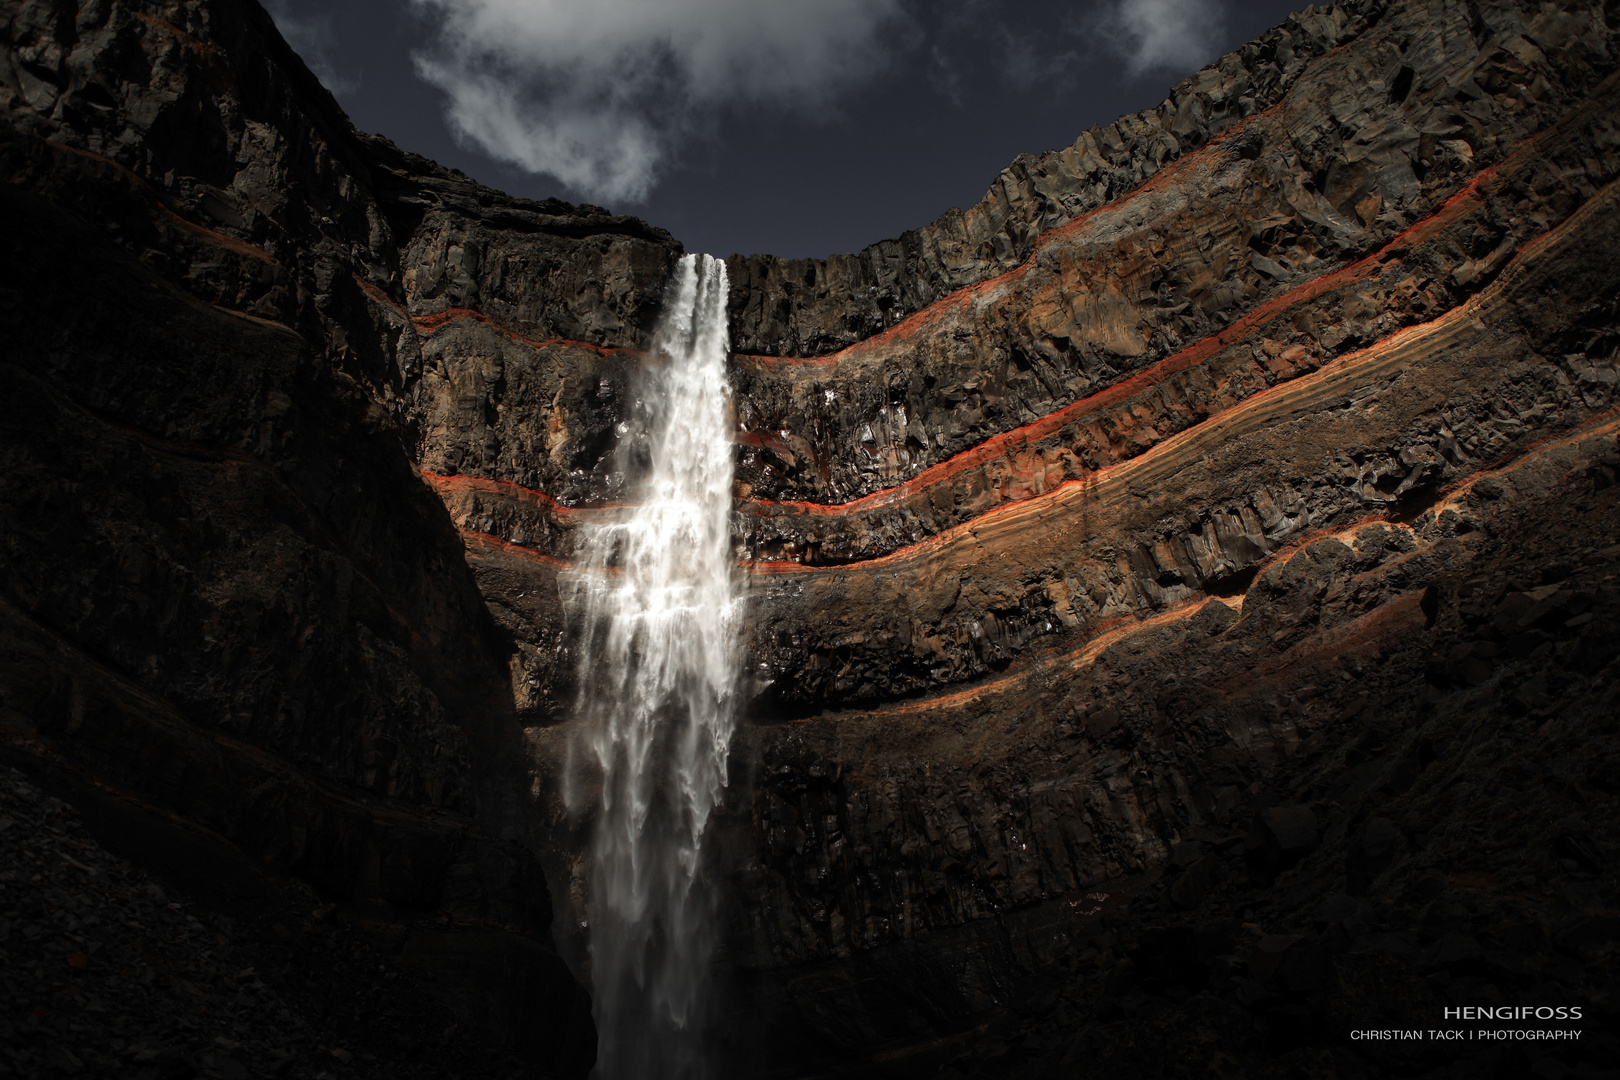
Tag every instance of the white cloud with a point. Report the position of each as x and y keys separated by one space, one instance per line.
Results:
x=1178 y=36
x=600 y=93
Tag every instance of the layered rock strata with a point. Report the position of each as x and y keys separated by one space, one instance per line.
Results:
x=807 y=307
x=1369 y=788
x=1047 y=571
x=1148 y=567
x=1224 y=233
x=1240 y=266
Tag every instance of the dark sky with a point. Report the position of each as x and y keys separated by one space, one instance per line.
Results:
x=923 y=112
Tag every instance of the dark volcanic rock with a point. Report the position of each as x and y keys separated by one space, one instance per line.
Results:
x=105 y=970
x=1182 y=588
x=238 y=631
x=1356 y=843
x=807 y=307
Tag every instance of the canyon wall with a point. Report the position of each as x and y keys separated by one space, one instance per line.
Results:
x=240 y=635
x=1178 y=488
x=1182 y=586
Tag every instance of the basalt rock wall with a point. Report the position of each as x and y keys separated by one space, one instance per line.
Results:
x=1153 y=571
x=809 y=307
x=1386 y=187
x=239 y=634
x=1134 y=568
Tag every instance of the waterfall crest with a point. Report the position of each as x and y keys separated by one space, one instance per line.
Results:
x=658 y=670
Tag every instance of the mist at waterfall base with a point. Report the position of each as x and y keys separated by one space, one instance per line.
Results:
x=657 y=619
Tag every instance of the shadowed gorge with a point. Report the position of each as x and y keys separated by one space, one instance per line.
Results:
x=1173 y=602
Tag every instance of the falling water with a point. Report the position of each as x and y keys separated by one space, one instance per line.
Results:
x=657 y=673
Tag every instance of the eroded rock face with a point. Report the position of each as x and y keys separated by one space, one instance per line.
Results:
x=1151 y=569
x=809 y=307
x=238 y=632
x=1078 y=589
x=1379 y=432
x=1308 y=793
x=1229 y=274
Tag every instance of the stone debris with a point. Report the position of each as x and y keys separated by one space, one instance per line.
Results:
x=104 y=971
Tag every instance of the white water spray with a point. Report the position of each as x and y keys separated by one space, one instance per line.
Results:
x=658 y=671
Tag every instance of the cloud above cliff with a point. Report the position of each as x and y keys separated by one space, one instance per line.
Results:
x=1176 y=36
x=601 y=94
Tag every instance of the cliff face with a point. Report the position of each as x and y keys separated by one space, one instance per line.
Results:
x=1201 y=484
x=239 y=634
x=811 y=307
x=1157 y=571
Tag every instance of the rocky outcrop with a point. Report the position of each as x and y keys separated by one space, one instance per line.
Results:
x=1182 y=368
x=1382 y=430
x=1220 y=241
x=809 y=307
x=1230 y=273
x=1070 y=587
x=1251 y=247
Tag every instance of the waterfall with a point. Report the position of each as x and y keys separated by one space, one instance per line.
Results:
x=658 y=668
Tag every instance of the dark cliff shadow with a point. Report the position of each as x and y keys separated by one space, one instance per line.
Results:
x=241 y=636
